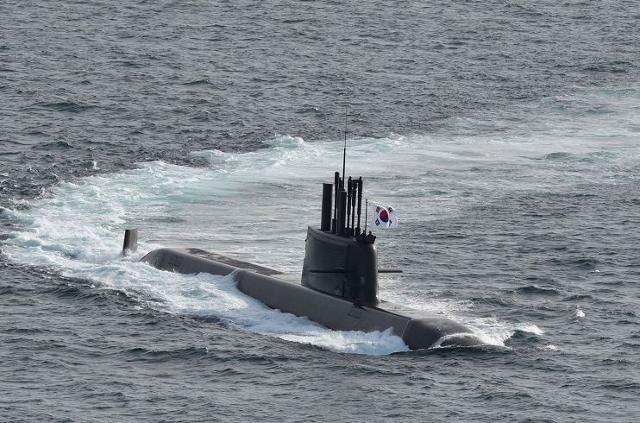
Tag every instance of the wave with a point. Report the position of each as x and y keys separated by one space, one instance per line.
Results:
x=65 y=106
x=537 y=290
x=196 y=82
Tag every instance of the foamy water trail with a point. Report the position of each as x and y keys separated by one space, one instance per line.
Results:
x=255 y=206
x=77 y=229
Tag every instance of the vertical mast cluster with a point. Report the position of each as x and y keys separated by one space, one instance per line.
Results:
x=347 y=208
x=348 y=200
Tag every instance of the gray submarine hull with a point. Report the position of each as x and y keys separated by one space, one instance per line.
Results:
x=418 y=330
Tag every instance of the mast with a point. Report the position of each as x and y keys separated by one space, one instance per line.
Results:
x=344 y=151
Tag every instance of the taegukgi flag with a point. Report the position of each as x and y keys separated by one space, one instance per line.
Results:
x=384 y=217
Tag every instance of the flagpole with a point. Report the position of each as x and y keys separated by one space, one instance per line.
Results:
x=366 y=214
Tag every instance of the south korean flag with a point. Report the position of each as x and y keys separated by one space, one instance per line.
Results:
x=384 y=217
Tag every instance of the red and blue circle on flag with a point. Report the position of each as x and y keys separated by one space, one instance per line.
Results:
x=384 y=215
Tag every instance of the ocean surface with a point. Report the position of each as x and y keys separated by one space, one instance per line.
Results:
x=505 y=133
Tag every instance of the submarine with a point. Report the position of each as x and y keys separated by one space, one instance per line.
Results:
x=338 y=288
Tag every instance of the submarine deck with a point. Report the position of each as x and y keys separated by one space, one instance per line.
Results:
x=231 y=261
x=284 y=291
x=295 y=278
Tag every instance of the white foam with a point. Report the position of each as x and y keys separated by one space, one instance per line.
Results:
x=458 y=339
x=371 y=343
x=491 y=331
x=529 y=328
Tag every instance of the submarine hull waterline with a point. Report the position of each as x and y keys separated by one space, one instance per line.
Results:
x=418 y=330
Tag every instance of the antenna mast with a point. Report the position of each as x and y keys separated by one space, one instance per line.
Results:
x=344 y=151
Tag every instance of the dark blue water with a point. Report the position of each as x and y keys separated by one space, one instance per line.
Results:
x=507 y=133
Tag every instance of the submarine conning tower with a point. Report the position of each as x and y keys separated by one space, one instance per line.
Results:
x=340 y=259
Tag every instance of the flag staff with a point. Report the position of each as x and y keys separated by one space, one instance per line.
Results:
x=359 y=186
x=366 y=214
